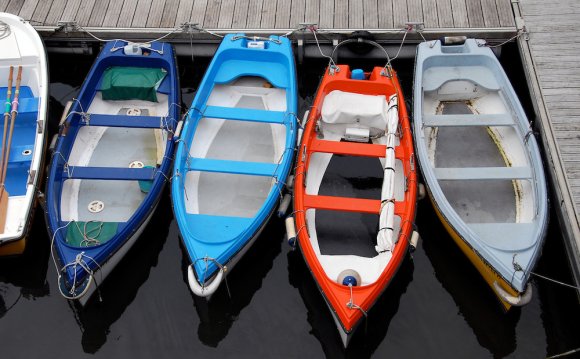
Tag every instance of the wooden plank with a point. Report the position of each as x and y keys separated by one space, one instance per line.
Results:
x=127 y=13
x=430 y=13
x=27 y=9
x=385 y=10
x=370 y=14
x=183 y=12
x=141 y=13
x=341 y=14
x=113 y=12
x=211 y=14
x=155 y=13
x=84 y=12
x=459 y=8
x=55 y=13
x=355 y=14
x=399 y=14
x=240 y=14
x=415 y=10
x=326 y=14
x=297 y=12
x=254 y=14
x=41 y=11
x=14 y=6
x=445 y=13
x=312 y=11
x=490 y=15
x=505 y=13
x=283 y=15
x=475 y=13
x=198 y=12
x=226 y=14
x=268 y=14
x=99 y=11
x=169 y=13
x=70 y=10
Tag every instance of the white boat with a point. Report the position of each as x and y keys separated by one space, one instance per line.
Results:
x=23 y=126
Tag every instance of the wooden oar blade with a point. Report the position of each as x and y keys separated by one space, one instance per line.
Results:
x=3 y=209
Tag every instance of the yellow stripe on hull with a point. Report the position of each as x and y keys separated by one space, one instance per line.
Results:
x=482 y=267
x=13 y=248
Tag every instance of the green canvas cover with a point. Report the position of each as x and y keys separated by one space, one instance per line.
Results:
x=96 y=232
x=131 y=83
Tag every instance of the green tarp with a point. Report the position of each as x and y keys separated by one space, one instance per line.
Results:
x=87 y=234
x=131 y=83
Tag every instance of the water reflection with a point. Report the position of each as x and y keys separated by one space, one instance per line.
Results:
x=122 y=285
x=219 y=314
x=24 y=276
x=494 y=329
x=370 y=333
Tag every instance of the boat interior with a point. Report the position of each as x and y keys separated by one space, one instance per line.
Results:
x=105 y=197
x=477 y=153
x=234 y=155
x=22 y=149
x=346 y=239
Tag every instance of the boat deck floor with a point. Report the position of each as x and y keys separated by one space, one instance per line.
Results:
x=348 y=233
x=477 y=201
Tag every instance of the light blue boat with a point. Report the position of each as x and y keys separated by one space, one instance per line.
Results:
x=234 y=154
x=481 y=163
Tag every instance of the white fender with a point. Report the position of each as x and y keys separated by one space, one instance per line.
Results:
x=518 y=301
x=205 y=290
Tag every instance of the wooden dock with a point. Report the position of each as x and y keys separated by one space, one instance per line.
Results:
x=492 y=19
x=550 y=49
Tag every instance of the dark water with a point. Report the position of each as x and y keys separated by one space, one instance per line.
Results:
x=437 y=306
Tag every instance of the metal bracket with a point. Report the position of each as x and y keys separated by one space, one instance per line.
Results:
x=415 y=26
x=521 y=27
x=190 y=27
x=31 y=177
x=40 y=125
x=66 y=26
x=308 y=25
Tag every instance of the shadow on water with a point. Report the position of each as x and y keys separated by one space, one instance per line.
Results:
x=494 y=329
x=122 y=285
x=369 y=335
x=219 y=313
x=559 y=304
x=25 y=276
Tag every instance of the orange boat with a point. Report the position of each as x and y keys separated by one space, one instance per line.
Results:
x=357 y=136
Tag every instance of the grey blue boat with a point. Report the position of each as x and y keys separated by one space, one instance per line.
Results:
x=481 y=163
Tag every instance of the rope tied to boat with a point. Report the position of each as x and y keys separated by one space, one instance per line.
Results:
x=79 y=261
x=351 y=305
x=89 y=240
x=4 y=30
x=66 y=166
x=333 y=68
x=256 y=38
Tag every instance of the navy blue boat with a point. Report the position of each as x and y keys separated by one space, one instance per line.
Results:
x=110 y=162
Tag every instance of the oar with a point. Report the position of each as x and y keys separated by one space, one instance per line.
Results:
x=6 y=118
x=4 y=194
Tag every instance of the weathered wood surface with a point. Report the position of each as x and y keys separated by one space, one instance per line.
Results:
x=268 y=14
x=556 y=50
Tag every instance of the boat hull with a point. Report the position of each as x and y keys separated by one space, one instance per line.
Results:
x=24 y=47
x=234 y=155
x=349 y=305
x=481 y=164
x=110 y=163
